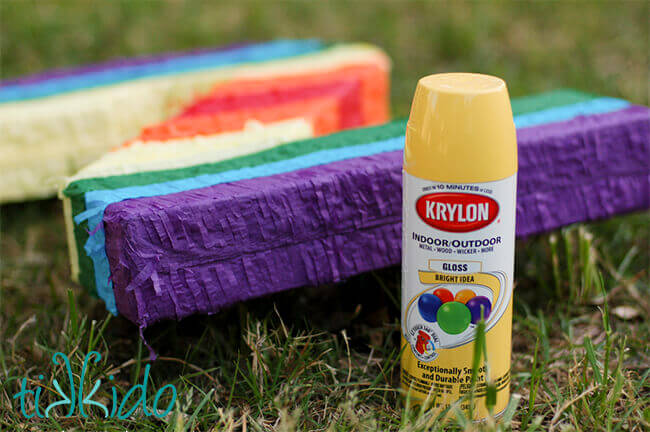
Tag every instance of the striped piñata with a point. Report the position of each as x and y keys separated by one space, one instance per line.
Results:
x=236 y=118
x=194 y=239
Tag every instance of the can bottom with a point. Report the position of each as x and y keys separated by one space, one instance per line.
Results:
x=416 y=402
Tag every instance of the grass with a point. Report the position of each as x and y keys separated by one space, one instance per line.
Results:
x=325 y=358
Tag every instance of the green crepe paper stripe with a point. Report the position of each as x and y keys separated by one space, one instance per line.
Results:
x=76 y=190
x=538 y=102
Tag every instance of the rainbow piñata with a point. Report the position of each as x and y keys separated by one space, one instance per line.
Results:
x=54 y=123
x=235 y=118
x=196 y=239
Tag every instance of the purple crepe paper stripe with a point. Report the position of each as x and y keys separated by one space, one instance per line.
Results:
x=301 y=206
x=208 y=286
x=231 y=242
x=222 y=244
x=600 y=199
x=338 y=256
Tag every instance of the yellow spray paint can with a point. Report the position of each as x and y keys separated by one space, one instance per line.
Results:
x=459 y=180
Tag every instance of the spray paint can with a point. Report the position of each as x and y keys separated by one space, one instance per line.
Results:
x=459 y=180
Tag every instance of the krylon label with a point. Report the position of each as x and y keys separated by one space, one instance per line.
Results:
x=457 y=270
x=457 y=212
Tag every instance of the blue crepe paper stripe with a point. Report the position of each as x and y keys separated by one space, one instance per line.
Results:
x=567 y=112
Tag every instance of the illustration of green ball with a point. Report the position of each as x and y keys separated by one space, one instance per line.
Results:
x=454 y=317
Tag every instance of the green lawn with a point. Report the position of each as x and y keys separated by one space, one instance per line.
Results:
x=324 y=358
